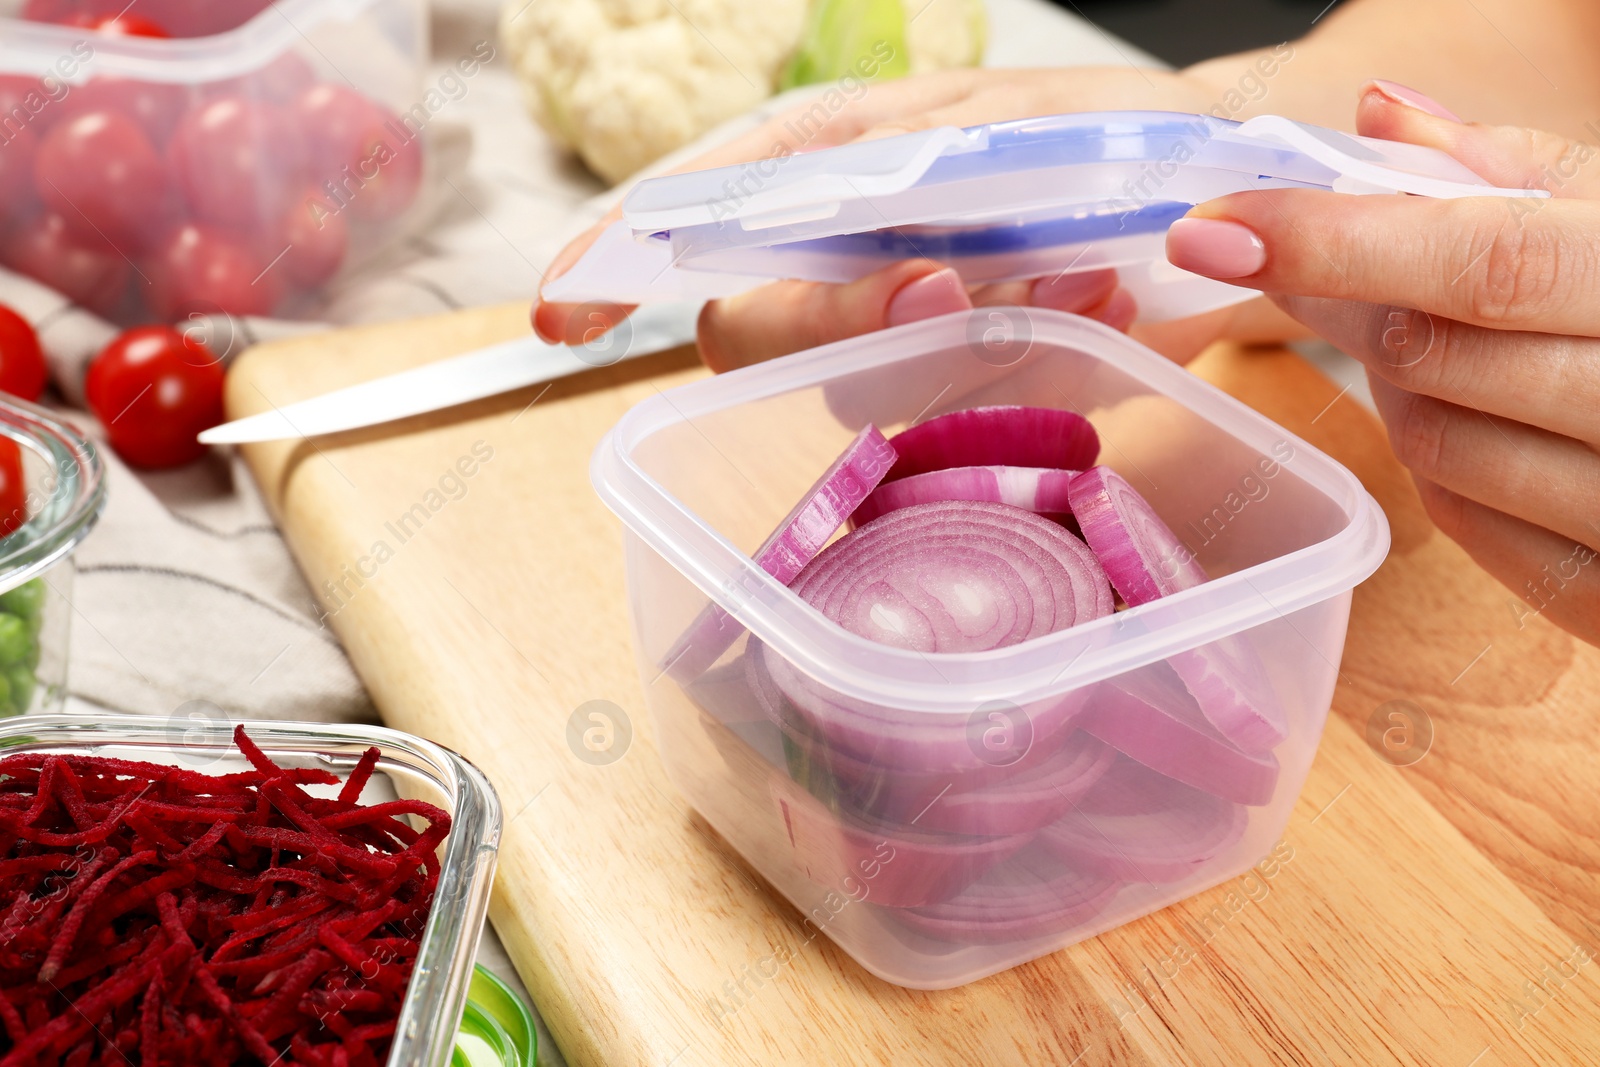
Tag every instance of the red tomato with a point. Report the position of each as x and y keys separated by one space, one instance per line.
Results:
x=119 y=25
x=87 y=271
x=154 y=389
x=154 y=106
x=13 y=487
x=19 y=144
x=99 y=171
x=279 y=82
x=22 y=368
x=236 y=161
x=202 y=269
x=316 y=237
x=362 y=148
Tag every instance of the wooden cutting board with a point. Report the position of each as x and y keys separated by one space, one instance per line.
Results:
x=1443 y=912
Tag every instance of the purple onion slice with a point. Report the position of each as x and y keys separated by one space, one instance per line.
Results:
x=1149 y=716
x=1033 y=894
x=1145 y=561
x=895 y=866
x=1041 y=490
x=798 y=538
x=1138 y=826
x=956 y=576
x=1005 y=436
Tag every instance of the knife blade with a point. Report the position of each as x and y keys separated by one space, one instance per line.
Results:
x=486 y=372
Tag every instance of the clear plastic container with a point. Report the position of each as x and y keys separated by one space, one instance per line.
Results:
x=232 y=168
x=945 y=817
x=408 y=767
x=52 y=490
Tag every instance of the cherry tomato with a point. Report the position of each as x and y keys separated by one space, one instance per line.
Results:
x=237 y=162
x=88 y=271
x=199 y=268
x=154 y=106
x=19 y=144
x=154 y=389
x=22 y=368
x=362 y=148
x=117 y=25
x=13 y=487
x=279 y=82
x=313 y=237
x=99 y=171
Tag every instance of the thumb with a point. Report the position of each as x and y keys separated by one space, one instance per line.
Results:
x=1508 y=156
x=789 y=316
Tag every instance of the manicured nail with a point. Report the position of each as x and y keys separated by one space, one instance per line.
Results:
x=1409 y=97
x=933 y=294
x=1216 y=248
x=1073 y=292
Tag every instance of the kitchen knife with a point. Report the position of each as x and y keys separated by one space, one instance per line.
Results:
x=473 y=376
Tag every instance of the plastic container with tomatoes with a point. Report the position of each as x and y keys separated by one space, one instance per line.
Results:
x=195 y=157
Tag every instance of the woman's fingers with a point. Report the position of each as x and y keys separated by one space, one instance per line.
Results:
x=1551 y=576
x=785 y=317
x=1509 y=156
x=1532 y=474
x=1490 y=261
x=1544 y=380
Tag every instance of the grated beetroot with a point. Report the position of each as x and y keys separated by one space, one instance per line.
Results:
x=155 y=915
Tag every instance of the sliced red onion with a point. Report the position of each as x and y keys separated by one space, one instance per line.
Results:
x=1148 y=715
x=1229 y=680
x=867 y=747
x=894 y=866
x=796 y=541
x=1145 y=561
x=996 y=436
x=1041 y=490
x=1138 y=826
x=956 y=576
x=1033 y=894
x=1019 y=802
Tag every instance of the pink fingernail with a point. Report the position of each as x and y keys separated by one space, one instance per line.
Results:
x=1408 y=97
x=933 y=294
x=1073 y=292
x=1215 y=248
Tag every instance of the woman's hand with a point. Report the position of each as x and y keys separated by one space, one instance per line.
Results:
x=1477 y=322
x=788 y=316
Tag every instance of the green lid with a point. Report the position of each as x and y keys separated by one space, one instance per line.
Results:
x=496 y=1028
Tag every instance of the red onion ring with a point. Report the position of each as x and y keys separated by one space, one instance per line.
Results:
x=1007 y=436
x=1041 y=490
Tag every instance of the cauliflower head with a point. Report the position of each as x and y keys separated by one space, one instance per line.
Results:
x=624 y=82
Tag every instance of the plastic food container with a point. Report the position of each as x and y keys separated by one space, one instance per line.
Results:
x=955 y=815
x=236 y=167
x=409 y=767
x=51 y=494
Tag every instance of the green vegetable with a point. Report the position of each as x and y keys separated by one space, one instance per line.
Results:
x=22 y=683
x=25 y=600
x=7 y=707
x=17 y=644
x=862 y=37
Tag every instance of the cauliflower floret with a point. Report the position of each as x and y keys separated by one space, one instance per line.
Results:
x=944 y=34
x=624 y=82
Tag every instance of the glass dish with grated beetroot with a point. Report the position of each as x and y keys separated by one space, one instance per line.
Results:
x=274 y=893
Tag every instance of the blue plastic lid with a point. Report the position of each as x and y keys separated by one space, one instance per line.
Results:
x=1011 y=200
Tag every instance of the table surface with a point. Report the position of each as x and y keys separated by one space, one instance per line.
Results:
x=1442 y=912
